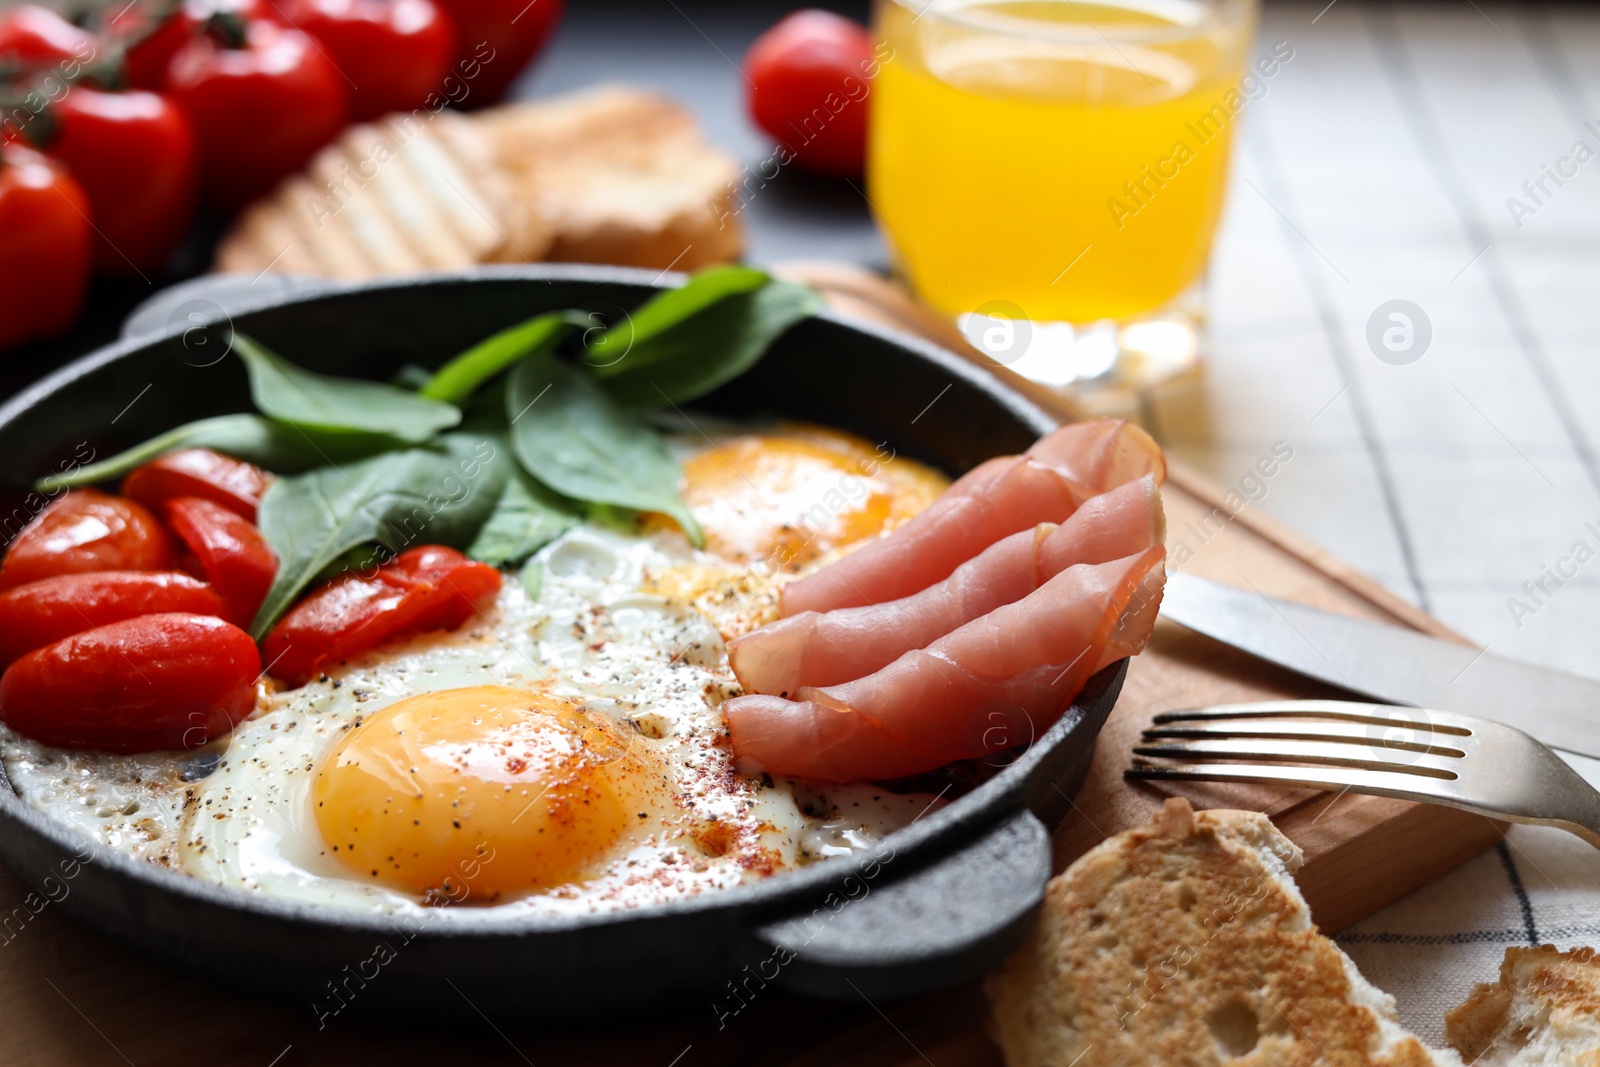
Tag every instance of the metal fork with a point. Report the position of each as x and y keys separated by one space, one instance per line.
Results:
x=1434 y=757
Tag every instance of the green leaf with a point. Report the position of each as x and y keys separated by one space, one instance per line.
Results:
x=459 y=379
x=289 y=394
x=721 y=341
x=532 y=577
x=576 y=440
x=277 y=446
x=415 y=496
x=527 y=517
x=666 y=310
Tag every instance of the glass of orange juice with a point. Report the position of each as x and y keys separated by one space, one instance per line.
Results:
x=1051 y=172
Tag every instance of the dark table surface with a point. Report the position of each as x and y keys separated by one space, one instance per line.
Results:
x=688 y=50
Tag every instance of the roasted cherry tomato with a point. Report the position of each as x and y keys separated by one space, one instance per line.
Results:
x=134 y=155
x=45 y=244
x=230 y=551
x=43 y=612
x=808 y=79
x=169 y=681
x=233 y=483
x=86 y=530
x=262 y=99
x=36 y=38
x=395 y=52
x=495 y=39
x=155 y=32
x=429 y=588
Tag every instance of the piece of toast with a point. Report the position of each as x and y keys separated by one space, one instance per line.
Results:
x=406 y=194
x=620 y=176
x=1186 y=942
x=1543 y=1012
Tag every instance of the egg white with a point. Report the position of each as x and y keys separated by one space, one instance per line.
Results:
x=598 y=632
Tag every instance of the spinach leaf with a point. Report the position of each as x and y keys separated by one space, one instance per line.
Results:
x=715 y=344
x=579 y=442
x=665 y=310
x=274 y=445
x=436 y=495
x=525 y=519
x=289 y=394
x=456 y=381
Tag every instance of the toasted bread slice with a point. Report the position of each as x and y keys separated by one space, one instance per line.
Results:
x=1544 y=1012
x=405 y=194
x=1187 y=942
x=620 y=176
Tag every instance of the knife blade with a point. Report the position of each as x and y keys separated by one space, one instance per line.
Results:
x=1391 y=663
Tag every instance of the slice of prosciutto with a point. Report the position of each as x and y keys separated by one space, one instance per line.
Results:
x=992 y=501
x=829 y=648
x=999 y=681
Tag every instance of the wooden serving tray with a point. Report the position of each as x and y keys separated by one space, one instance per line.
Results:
x=68 y=996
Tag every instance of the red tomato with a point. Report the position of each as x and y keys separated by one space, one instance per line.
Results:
x=169 y=681
x=232 y=554
x=156 y=36
x=808 y=79
x=84 y=531
x=395 y=52
x=43 y=612
x=36 y=37
x=233 y=483
x=134 y=155
x=45 y=242
x=495 y=39
x=429 y=588
x=262 y=104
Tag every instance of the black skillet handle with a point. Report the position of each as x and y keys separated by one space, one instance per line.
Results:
x=884 y=935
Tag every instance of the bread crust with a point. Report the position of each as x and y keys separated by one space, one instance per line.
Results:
x=1186 y=942
x=1544 y=1010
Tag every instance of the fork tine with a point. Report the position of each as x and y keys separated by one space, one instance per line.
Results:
x=1374 y=714
x=1306 y=730
x=1335 y=754
x=1378 y=783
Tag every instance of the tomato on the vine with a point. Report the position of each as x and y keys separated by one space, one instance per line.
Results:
x=394 y=52
x=32 y=36
x=44 y=258
x=153 y=36
x=134 y=155
x=496 y=39
x=262 y=98
x=809 y=83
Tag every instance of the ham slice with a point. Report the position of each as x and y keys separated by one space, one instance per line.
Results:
x=999 y=681
x=994 y=500
x=829 y=648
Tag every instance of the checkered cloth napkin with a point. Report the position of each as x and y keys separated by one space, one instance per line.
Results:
x=1538 y=886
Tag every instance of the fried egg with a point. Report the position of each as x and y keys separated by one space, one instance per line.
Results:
x=565 y=752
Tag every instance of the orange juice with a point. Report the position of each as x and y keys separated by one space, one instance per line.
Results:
x=1064 y=157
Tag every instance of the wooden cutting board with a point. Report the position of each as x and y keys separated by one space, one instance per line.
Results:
x=68 y=996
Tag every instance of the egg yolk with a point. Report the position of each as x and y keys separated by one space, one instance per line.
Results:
x=787 y=498
x=480 y=793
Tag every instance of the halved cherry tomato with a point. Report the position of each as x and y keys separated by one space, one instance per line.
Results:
x=808 y=79
x=87 y=530
x=262 y=98
x=134 y=154
x=43 y=612
x=35 y=37
x=233 y=483
x=231 y=553
x=428 y=588
x=395 y=52
x=169 y=681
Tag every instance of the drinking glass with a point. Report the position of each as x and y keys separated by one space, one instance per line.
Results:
x=1050 y=173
